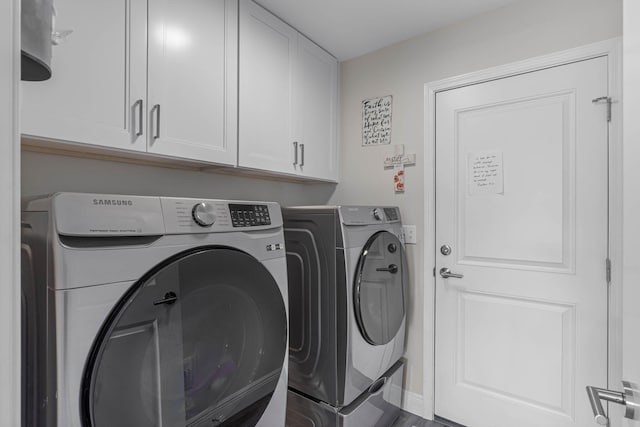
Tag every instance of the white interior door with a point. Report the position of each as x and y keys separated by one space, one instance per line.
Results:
x=521 y=200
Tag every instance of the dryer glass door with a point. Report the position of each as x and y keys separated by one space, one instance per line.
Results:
x=200 y=341
x=380 y=289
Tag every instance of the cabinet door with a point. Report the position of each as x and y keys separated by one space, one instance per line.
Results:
x=192 y=79
x=267 y=51
x=99 y=72
x=316 y=90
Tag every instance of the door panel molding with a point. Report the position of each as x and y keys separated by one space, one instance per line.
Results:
x=559 y=255
x=481 y=314
x=612 y=50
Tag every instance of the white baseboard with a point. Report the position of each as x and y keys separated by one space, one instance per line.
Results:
x=413 y=402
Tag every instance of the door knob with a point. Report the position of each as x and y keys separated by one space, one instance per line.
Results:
x=627 y=398
x=445 y=273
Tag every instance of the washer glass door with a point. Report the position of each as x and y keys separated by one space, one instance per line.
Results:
x=199 y=341
x=380 y=288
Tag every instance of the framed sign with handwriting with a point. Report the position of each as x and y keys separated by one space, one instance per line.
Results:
x=376 y=121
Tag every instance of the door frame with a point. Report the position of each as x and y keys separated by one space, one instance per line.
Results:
x=10 y=396
x=612 y=49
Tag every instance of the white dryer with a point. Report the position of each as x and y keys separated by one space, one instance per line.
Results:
x=153 y=311
x=348 y=282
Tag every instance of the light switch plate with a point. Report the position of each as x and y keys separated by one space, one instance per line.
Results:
x=410 y=234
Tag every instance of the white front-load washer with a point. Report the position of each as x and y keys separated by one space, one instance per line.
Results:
x=153 y=311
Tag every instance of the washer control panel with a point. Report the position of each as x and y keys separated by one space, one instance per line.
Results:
x=249 y=215
x=183 y=216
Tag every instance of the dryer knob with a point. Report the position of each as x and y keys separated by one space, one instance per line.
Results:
x=377 y=214
x=203 y=214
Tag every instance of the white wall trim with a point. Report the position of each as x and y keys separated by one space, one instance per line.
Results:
x=614 y=377
x=9 y=214
x=630 y=315
x=611 y=48
x=412 y=402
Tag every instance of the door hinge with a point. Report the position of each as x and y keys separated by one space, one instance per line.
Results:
x=608 y=267
x=608 y=101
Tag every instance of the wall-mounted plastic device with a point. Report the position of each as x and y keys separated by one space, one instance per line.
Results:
x=36 y=28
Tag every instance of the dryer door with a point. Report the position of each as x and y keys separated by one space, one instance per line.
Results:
x=199 y=341
x=380 y=288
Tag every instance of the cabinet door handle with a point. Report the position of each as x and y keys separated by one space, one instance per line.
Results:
x=156 y=109
x=301 y=155
x=295 y=153
x=138 y=104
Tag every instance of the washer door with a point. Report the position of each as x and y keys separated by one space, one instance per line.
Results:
x=199 y=341
x=380 y=287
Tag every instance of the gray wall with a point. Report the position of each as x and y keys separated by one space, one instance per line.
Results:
x=47 y=173
x=506 y=35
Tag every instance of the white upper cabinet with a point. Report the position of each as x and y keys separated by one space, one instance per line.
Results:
x=192 y=97
x=98 y=73
x=181 y=104
x=211 y=81
x=287 y=99
x=267 y=52
x=315 y=110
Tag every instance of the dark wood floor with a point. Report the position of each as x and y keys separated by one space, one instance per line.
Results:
x=407 y=419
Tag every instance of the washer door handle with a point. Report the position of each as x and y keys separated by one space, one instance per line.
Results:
x=169 y=298
x=393 y=269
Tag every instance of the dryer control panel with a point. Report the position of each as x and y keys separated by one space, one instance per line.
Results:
x=369 y=215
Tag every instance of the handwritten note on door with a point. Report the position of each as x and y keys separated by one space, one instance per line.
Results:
x=485 y=172
x=376 y=121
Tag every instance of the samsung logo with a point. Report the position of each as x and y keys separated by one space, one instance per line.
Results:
x=112 y=202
